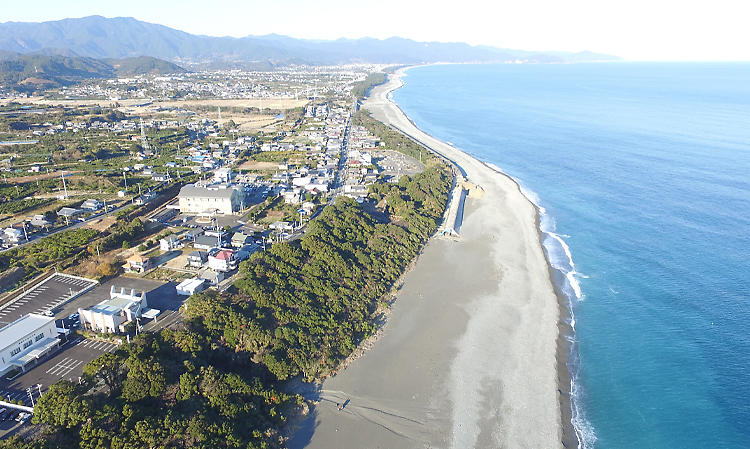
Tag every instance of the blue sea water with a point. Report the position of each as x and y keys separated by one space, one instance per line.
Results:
x=643 y=172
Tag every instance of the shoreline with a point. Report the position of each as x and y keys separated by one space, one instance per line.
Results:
x=568 y=434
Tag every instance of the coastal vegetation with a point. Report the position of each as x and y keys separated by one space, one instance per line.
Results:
x=393 y=139
x=168 y=389
x=362 y=88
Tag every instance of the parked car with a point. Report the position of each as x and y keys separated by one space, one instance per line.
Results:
x=3 y=413
x=22 y=416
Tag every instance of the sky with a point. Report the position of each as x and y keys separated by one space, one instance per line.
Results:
x=634 y=29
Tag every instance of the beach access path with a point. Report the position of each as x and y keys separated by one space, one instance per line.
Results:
x=467 y=358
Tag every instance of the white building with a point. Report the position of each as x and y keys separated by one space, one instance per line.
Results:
x=220 y=199
x=13 y=236
x=223 y=175
x=190 y=286
x=113 y=314
x=92 y=205
x=169 y=243
x=223 y=260
x=26 y=340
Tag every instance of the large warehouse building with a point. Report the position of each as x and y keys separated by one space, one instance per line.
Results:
x=220 y=198
x=25 y=341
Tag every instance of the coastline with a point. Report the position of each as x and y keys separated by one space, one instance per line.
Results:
x=467 y=359
x=568 y=435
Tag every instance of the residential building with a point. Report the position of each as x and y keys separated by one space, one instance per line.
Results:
x=192 y=234
x=292 y=196
x=223 y=175
x=92 y=205
x=197 y=259
x=239 y=240
x=137 y=264
x=206 y=242
x=13 y=236
x=24 y=341
x=222 y=260
x=169 y=243
x=68 y=213
x=212 y=277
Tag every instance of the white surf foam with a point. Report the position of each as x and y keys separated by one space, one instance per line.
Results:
x=583 y=428
x=494 y=167
x=561 y=259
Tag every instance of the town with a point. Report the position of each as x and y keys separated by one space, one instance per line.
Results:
x=124 y=198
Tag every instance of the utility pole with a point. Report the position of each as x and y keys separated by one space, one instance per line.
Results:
x=62 y=175
x=31 y=396
x=143 y=136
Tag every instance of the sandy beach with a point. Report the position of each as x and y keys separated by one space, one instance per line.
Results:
x=467 y=358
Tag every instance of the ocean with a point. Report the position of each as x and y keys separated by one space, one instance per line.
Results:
x=642 y=174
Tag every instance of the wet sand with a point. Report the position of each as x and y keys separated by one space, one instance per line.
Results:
x=467 y=358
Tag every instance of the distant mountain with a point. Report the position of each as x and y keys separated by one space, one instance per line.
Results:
x=143 y=65
x=125 y=37
x=46 y=69
x=554 y=56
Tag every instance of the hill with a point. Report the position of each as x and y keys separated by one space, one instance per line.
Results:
x=45 y=69
x=143 y=65
x=126 y=37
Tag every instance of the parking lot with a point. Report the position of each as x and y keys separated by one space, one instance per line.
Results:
x=67 y=363
x=51 y=294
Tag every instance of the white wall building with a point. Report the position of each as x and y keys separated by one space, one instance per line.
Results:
x=223 y=260
x=223 y=175
x=190 y=286
x=109 y=315
x=222 y=199
x=26 y=340
x=169 y=243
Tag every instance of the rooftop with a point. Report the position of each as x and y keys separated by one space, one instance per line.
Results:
x=191 y=191
x=22 y=327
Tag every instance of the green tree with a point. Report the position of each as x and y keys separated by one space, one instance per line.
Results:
x=108 y=368
x=62 y=406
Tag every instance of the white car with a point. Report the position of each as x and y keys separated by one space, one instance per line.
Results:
x=22 y=416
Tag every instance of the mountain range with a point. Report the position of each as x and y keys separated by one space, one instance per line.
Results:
x=125 y=37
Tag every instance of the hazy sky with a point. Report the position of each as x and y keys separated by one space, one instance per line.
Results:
x=634 y=29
